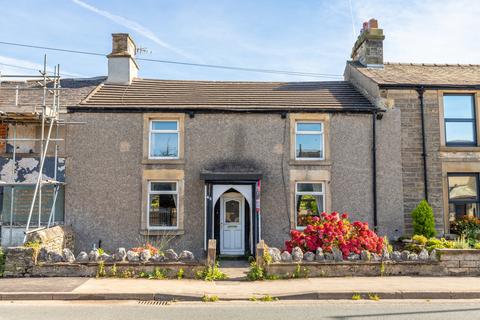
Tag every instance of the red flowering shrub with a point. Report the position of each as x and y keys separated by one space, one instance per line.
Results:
x=331 y=230
x=148 y=247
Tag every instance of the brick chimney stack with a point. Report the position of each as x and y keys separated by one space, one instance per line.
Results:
x=368 y=49
x=122 y=67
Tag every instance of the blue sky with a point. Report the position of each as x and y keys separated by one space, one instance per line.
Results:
x=298 y=35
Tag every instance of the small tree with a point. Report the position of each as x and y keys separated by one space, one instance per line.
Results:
x=423 y=220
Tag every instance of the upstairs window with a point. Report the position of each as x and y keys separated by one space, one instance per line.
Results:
x=459 y=117
x=309 y=141
x=164 y=139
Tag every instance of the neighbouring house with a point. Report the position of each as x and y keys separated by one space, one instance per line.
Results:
x=20 y=129
x=186 y=161
x=440 y=145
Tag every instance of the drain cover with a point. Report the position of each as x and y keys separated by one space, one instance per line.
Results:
x=154 y=302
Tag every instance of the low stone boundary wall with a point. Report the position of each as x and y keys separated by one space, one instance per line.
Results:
x=464 y=262
x=53 y=239
x=119 y=270
x=442 y=262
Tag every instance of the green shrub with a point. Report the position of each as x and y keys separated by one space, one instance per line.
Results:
x=423 y=220
x=356 y=296
x=422 y=240
x=476 y=245
x=2 y=262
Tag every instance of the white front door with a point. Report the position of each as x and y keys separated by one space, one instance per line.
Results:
x=232 y=240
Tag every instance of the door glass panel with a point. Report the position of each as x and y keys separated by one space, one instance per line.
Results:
x=232 y=211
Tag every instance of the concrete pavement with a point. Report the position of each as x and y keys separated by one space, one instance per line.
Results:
x=193 y=290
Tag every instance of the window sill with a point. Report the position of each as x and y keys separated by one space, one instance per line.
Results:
x=171 y=232
x=310 y=163
x=163 y=161
x=460 y=149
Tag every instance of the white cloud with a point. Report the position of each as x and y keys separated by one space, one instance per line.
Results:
x=430 y=31
x=132 y=25
x=9 y=65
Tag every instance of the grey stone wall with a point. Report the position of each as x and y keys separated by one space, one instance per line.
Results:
x=413 y=184
x=104 y=173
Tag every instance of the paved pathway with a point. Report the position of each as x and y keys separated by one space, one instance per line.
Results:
x=235 y=269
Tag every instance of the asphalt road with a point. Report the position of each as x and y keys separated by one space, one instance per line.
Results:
x=393 y=309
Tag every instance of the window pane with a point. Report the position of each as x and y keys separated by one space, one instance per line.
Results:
x=458 y=106
x=305 y=126
x=462 y=187
x=309 y=146
x=232 y=211
x=308 y=206
x=164 y=125
x=163 y=186
x=164 y=145
x=309 y=187
x=163 y=210
x=459 y=132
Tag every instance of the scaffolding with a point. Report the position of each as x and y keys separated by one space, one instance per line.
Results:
x=43 y=114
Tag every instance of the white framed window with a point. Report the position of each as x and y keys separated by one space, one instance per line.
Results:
x=309 y=202
x=309 y=140
x=162 y=205
x=164 y=139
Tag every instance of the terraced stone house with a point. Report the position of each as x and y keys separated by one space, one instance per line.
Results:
x=187 y=161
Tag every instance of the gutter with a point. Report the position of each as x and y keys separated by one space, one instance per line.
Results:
x=143 y=109
x=400 y=86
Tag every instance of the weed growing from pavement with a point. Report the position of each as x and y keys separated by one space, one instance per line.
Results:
x=211 y=273
x=206 y=298
x=101 y=270
x=180 y=274
x=266 y=298
x=356 y=296
x=373 y=297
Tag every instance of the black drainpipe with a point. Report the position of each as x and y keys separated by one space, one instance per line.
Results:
x=374 y=164
x=420 y=91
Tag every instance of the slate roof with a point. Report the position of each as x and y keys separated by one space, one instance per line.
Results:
x=73 y=92
x=425 y=74
x=175 y=94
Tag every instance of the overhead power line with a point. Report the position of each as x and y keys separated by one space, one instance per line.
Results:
x=191 y=64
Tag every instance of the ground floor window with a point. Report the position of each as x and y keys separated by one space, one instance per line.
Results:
x=162 y=205
x=462 y=196
x=309 y=201
x=23 y=196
